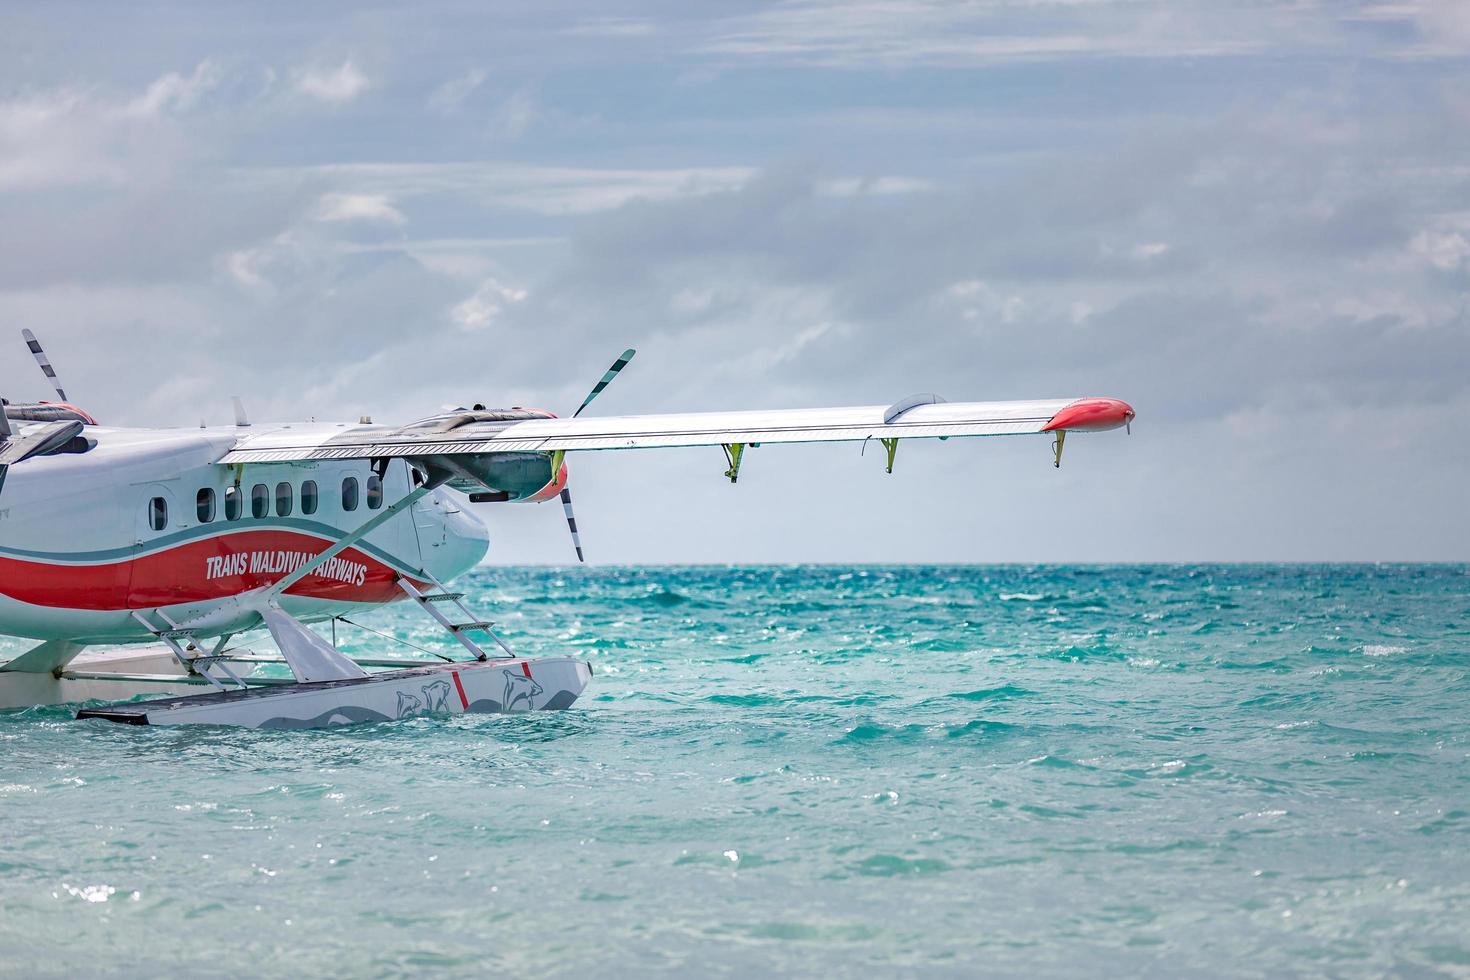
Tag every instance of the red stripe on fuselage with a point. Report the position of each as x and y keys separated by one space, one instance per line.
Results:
x=201 y=570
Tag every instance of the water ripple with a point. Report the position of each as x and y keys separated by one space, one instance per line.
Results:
x=902 y=770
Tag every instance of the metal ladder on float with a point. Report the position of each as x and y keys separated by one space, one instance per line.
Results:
x=430 y=603
x=181 y=640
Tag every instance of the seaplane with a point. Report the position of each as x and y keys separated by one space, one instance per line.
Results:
x=180 y=540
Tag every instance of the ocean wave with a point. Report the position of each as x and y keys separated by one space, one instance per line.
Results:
x=872 y=780
x=1006 y=692
x=891 y=865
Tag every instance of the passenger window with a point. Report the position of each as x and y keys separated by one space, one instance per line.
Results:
x=233 y=501
x=349 y=493
x=158 y=513
x=374 y=492
x=204 y=505
x=308 y=497
x=283 y=499
x=260 y=501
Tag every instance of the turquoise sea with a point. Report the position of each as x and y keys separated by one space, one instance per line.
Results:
x=1024 y=771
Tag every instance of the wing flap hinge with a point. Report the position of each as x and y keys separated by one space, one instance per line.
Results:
x=734 y=452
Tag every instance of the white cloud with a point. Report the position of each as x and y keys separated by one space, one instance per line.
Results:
x=244 y=266
x=548 y=190
x=1444 y=24
x=176 y=92
x=42 y=141
x=448 y=98
x=261 y=268
x=613 y=27
x=854 y=186
x=76 y=135
x=864 y=34
x=762 y=359
x=480 y=310
x=1149 y=250
x=334 y=86
x=977 y=300
x=376 y=208
x=515 y=115
x=695 y=302
x=1446 y=250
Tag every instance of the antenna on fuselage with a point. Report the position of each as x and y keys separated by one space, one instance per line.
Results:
x=240 y=418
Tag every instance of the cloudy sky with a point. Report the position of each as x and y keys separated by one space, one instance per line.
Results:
x=1249 y=218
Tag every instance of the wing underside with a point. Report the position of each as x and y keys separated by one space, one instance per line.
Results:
x=930 y=420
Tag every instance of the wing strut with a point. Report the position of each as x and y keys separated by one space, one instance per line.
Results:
x=363 y=530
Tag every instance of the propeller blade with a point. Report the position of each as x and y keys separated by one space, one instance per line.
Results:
x=566 y=506
x=5 y=434
x=612 y=372
x=566 y=495
x=46 y=368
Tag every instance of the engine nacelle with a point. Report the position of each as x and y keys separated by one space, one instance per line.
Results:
x=504 y=477
x=46 y=412
x=510 y=477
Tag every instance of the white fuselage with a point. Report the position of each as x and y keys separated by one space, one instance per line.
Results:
x=147 y=520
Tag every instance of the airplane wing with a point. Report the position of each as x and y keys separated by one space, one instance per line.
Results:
x=477 y=433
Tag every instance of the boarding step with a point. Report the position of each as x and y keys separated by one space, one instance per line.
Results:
x=180 y=640
x=468 y=627
x=428 y=601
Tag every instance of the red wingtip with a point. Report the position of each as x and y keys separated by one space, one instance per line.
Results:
x=1091 y=415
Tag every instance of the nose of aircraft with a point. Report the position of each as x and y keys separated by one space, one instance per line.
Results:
x=465 y=543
